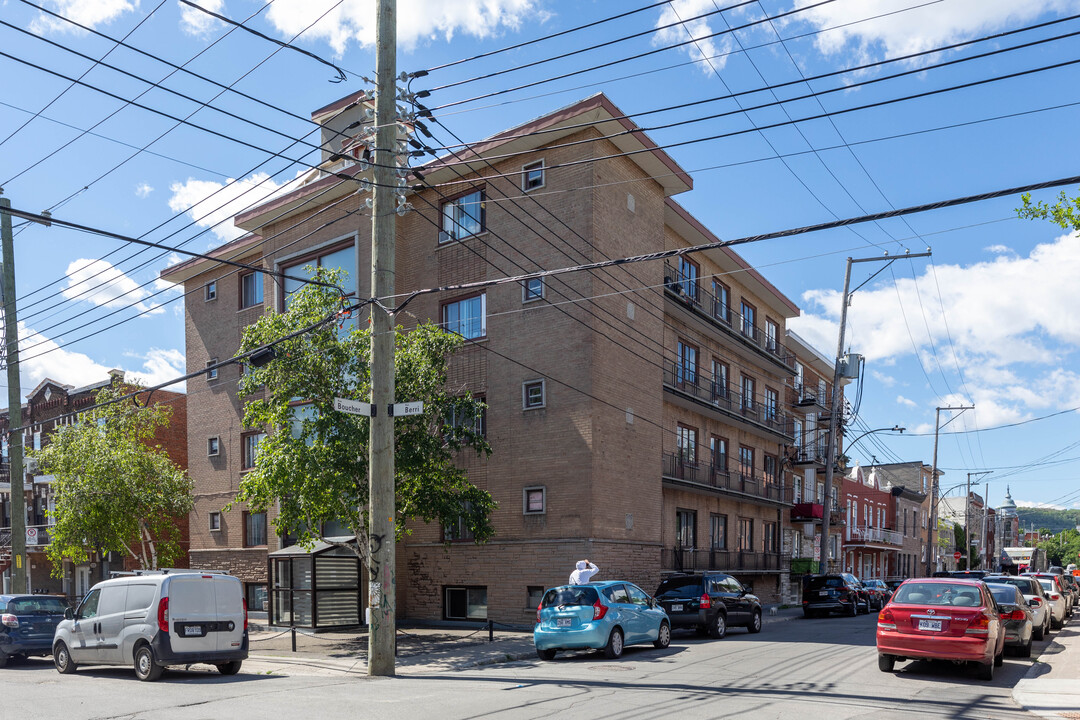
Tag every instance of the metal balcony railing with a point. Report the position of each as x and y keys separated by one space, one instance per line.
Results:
x=691 y=380
x=40 y=533
x=718 y=476
x=682 y=559
x=873 y=534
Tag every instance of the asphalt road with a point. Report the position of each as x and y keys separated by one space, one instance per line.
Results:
x=802 y=669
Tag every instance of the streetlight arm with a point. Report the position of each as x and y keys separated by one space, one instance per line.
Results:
x=894 y=428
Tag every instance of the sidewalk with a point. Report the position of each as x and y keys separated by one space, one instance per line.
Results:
x=420 y=650
x=1053 y=690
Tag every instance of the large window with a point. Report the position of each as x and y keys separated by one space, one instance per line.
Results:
x=720 y=378
x=747 y=392
x=685 y=528
x=771 y=332
x=254 y=529
x=465 y=603
x=746 y=461
x=772 y=402
x=463 y=217
x=250 y=449
x=343 y=257
x=718 y=532
x=687 y=442
x=769 y=464
x=768 y=537
x=718 y=450
x=466 y=317
x=745 y=538
x=722 y=292
x=251 y=289
x=749 y=320
x=686 y=369
x=688 y=277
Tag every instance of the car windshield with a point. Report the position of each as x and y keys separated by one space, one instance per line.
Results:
x=821 y=582
x=680 y=587
x=938 y=594
x=1004 y=594
x=570 y=595
x=36 y=606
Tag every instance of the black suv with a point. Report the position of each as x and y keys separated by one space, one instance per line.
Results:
x=710 y=602
x=835 y=592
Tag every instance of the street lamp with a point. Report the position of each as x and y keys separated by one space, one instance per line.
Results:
x=894 y=428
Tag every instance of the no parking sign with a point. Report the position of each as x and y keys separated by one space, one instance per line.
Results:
x=31 y=536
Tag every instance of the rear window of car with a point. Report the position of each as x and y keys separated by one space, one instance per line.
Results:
x=938 y=594
x=37 y=606
x=570 y=595
x=1005 y=594
x=820 y=582
x=680 y=587
x=1023 y=584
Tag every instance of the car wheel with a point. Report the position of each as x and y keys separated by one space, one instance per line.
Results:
x=1024 y=650
x=718 y=627
x=999 y=659
x=1040 y=632
x=545 y=654
x=1056 y=624
x=62 y=659
x=230 y=668
x=755 y=622
x=663 y=636
x=986 y=671
x=146 y=668
x=614 y=646
x=854 y=608
x=885 y=663
x=866 y=607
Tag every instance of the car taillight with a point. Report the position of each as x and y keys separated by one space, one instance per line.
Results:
x=885 y=620
x=706 y=602
x=538 y=614
x=10 y=620
x=599 y=610
x=1014 y=615
x=163 y=614
x=1055 y=596
x=245 y=614
x=980 y=625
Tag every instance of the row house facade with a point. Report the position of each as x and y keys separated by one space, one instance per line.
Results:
x=50 y=405
x=871 y=540
x=647 y=428
x=911 y=490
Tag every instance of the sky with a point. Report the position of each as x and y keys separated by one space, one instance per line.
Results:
x=988 y=320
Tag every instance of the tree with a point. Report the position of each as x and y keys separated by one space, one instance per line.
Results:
x=313 y=462
x=1063 y=548
x=115 y=490
x=1065 y=212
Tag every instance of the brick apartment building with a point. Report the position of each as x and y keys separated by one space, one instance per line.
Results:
x=871 y=541
x=647 y=428
x=41 y=415
x=911 y=490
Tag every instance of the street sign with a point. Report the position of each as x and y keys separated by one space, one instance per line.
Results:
x=407 y=408
x=957 y=555
x=352 y=407
x=31 y=536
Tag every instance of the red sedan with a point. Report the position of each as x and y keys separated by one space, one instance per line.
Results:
x=941 y=619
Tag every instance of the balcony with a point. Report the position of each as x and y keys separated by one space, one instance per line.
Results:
x=689 y=293
x=730 y=561
x=705 y=391
x=809 y=454
x=743 y=486
x=815 y=512
x=874 y=536
x=40 y=532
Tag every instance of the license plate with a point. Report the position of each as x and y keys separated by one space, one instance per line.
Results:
x=934 y=625
x=823 y=593
x=562 y=622
x=195 y=630
x=676 y=608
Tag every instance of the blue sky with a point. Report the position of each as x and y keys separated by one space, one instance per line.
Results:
x=990 y=319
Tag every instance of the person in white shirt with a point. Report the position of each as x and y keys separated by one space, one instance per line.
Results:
x=584 y=572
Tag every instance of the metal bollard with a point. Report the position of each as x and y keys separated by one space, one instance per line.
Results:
x=491 y=631
x=294 y=638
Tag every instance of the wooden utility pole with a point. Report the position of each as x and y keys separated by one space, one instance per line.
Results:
x=382 y=509
x=15 y=439
x=931 y=527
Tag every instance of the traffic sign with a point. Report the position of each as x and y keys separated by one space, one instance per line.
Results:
x=957 y=555
x=352 y=407
x=407 y=408
x=31 y=536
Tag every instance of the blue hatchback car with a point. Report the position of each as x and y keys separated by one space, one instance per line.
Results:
x=27 y=624
x=599 y=615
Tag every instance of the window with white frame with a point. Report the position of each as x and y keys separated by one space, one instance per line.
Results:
x=251 y=290
x=215 y=522
x=532 y=395
x=213 y=446
x=37 y=439
x=532 y=176
x=532 y=290
x=534 y=500
x=466 y=317
x=210 y=291
x=341 y=256
x=249 y=449
x=211 y=372
x=463 y=217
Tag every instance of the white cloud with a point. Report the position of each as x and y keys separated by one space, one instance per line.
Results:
x=715 y=48
x=1040 y=505
x=921 y=28
x=998 y=249
x=143 y=190
x=91 y=13
x=212 y=204
x=417 y=20
x=158 y=366
x=197 y=23
x=100 y=283
x=886 y=380
x=906 y=401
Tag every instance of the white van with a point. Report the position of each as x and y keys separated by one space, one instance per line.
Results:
x=153 y=619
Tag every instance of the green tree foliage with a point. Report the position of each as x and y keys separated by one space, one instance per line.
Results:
x=1064 y=213
x=116 y=491
x=1048 y=518
x=1063 y=548
x=313 y=463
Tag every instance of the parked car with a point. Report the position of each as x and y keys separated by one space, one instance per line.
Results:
x=1062 y=587
x=1056 y=596
x=1070 y=583
x=836 y=592
x=942 y=619
x=865 y=599
x=879 y=593
x=969 y=574
x=1035 y=597
x=600 y=615
x=1017 y=616
x=27 y=624
x=894 y=583
x=711 y=602
x=153 y=619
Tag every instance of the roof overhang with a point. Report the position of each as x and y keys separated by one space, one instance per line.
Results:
x=236 y=251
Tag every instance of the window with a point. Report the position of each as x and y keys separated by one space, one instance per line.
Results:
x=768 y=537
x=465 y=417
x=796 y=544
x=532 y=176
x=686 y=368
x=718 y=450
x=37 y=439
x=746 y=535
x=772 y=402
x=747 y=392
x=466 y=317
x=685 y=520
x=771 y=332
x=686 y=438
x=799 y=371
x=465 y=603
x=746 y=461
x=212 y=373
x=822 y=392
x=797 y=434
x=722 y=293
x=463 y=217
x=748 y=319
x=251 y=290
x=342 y=257
x=533 y=595
x=532 y=395
x=213 y=446
x=210 y=291
x=688 y=277
x=215 y=522
x=255 y=594
x=249 y=449
x=770 y=468
x=459 y=531
x=532 y=289
x=254 y=529
x=533 y=500
x=718 y=532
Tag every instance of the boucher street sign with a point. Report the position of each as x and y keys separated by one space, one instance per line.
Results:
x=355 y=407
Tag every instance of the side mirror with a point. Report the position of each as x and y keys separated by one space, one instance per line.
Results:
x=69 y=614
x=1033 y=602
